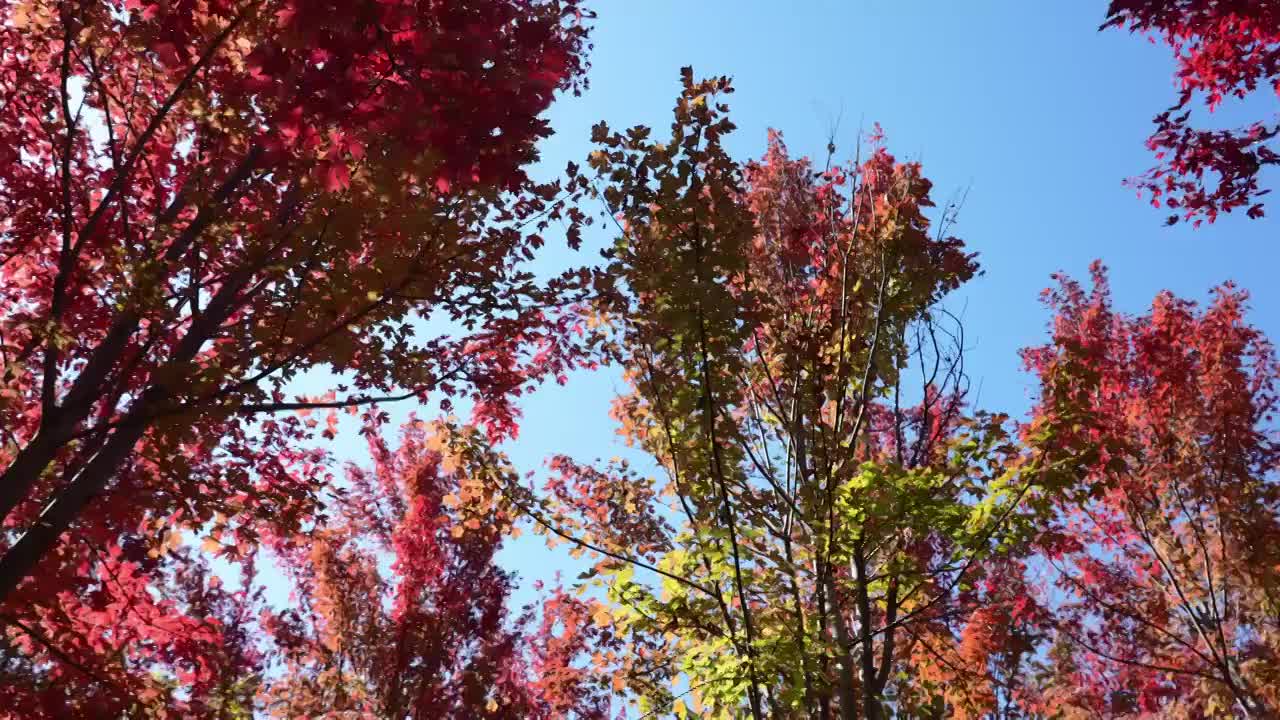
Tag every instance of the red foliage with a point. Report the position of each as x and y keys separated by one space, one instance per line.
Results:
x=202 y=199
x=402 y=611
x=1162 y=558
x=132 y=638
x=1223 y=48
x=397 y=609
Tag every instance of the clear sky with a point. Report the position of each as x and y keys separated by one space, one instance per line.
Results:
x=1024 y=103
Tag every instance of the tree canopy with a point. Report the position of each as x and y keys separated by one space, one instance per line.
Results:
x=232 y=231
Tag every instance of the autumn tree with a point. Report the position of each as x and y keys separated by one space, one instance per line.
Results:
x=1162 y=565
x=1223 y=49
x=400 y=610
x=396 y=608
x=146 y=637
x=200 y=200
x=829 y=500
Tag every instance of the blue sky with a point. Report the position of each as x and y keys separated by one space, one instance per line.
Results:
x=1025 y=104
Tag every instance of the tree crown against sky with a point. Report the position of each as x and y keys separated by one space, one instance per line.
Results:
x=208 y=199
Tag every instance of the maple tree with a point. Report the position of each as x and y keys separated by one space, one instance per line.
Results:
x=830 y=503
x=397 y=609
x=148 y=637
x=431 y=637
x=202 y=199
x=1223 y=49
x=1163 y=562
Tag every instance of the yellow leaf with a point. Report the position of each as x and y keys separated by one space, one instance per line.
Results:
x=210 y=545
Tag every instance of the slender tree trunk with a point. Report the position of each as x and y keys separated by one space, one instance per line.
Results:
x=866 y=646
x=847 y=684
x=59 y=425
x=19 y=560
